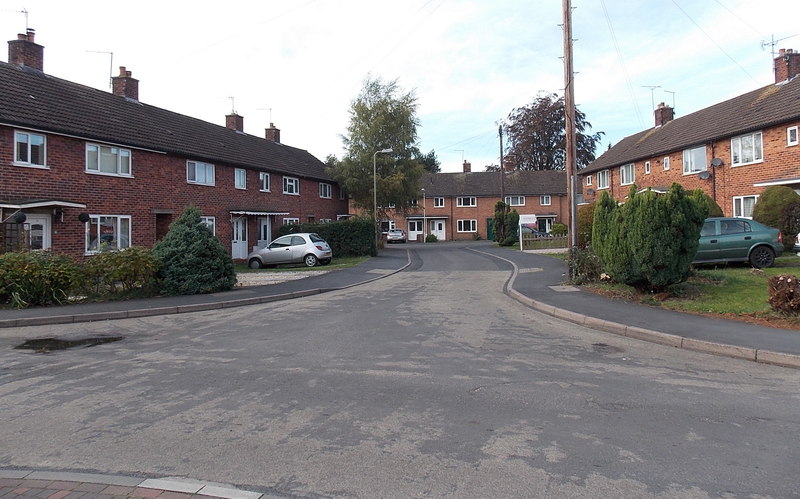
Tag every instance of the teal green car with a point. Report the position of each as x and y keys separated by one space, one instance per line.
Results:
x=725 y=240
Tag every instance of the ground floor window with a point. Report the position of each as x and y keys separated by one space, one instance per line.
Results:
x=210 y=222
x=467 y=226
x=291 y=221
x=108 y=233
x=743 y=206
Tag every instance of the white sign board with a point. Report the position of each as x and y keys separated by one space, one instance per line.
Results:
x=525 y=220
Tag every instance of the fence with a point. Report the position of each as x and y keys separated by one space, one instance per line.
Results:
x=530 y=242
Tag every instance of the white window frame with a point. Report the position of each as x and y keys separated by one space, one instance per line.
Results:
x=240 y=178
x=627 y=174
x=738 y=148
x=291 y=221
x=94 y=153
x=603 y=179
x=545 y=200
x=211 y=223
x=325 y=190
x=467 y=225
x=466 y=201
x=438 y=202
x=666 y=163
x=515 y=200
x=588 y=180
x=647 y=168
x=121 y=226
x=291 y=186
x=739 y=208
x=692 y=156
x=28 y=143
x=200 y=173
x=263 y=180
x=792 y=136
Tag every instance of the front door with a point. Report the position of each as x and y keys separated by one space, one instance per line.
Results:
x=38 y=227
x=239 y=242
x=438 y=229
x=264 y=231
x=415 y=230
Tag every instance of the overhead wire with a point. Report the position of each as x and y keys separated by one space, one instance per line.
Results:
x=631 y=93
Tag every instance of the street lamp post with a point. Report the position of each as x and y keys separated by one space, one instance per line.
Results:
x=424 y=219
x=375 y=191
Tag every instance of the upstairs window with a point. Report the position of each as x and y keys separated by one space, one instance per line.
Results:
x=198 y=172
x=438 y=202
x=108 y=160
x=291 y=185
x=29 y=149
x=263 y=179
x=240 y=178
x=588 y=180
x=325 y=190
x=694 y=160
x=603 y=179
x=545 y=200
x=515 y=200
x=746 y=149
x=666 y=163
x=627 y=174
x=647 y=168
x=466 y=201
x=791 y=136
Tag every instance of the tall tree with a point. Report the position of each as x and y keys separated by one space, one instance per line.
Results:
x=381 y=117
x=428 y=161
x=537 y=137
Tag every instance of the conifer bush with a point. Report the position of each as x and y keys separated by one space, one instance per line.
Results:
x=650 y=241
x=192 y=259
x=771 y=207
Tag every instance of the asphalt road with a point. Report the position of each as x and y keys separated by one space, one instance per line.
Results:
x=430 y=382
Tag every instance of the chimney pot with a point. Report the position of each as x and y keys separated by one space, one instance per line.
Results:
x=24 y=52
x=125 y=85
x=467 y=166
x=235 y=122
x=272 y=134
x=786 y=65
x=663 y=114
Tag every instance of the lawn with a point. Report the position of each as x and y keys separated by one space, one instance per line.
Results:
x=734 y=291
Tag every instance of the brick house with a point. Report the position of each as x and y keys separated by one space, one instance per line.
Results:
x=82 y=169
x=460 y=206
x=731 y=150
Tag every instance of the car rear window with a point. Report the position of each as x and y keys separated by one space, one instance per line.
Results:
x=316 y=239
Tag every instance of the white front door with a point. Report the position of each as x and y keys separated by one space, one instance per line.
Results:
x=438 y=229
x=264 y=231
x=239 y=243
x=414 y=229
x=38 y=227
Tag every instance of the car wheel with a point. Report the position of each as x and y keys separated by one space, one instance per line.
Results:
x=310 y=260
x=762 y=257
x=254 y=263
x=325 y=261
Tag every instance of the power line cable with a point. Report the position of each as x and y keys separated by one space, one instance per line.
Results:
x=636 y=108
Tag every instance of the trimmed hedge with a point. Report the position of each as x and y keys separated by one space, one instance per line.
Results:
x=353 y=237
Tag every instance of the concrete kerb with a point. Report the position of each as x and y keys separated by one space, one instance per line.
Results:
x=169 y=484
x=198 y=307
x=634 y=332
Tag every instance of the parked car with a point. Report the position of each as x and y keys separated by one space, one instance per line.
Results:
x=533 y=232
x=738 y=240
x=307 y=248
x=396 y=236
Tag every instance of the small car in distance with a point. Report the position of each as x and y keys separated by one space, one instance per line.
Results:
x=396 y=236
x=306 y=247
x=730 y=239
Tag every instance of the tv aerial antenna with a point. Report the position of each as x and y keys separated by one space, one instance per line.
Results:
x=652 y=96
x=773 y=42
x=110 y=66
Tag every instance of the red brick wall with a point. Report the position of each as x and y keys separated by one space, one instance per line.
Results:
x=158 y=183
x=780 y=161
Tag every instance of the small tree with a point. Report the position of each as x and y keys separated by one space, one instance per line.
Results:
x=712 y=208
x=193 y=261
x=500 y=230
x=771 y=207
x=585 y=221
x=512 y=229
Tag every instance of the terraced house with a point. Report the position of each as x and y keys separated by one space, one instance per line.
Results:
x=731 y=150
x=83 y=169
x=460 y=206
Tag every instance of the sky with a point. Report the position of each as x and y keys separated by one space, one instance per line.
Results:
x=300 y=63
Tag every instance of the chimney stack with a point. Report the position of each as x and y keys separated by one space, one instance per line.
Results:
x=467 y=166
x=664 y=114
x=24 y=52
x=273 y=134
x=125 y=85
x=235 y=122
x=787 y=65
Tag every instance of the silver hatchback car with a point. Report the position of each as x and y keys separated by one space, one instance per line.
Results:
x=306 y=247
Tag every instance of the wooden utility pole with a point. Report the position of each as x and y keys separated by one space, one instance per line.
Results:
x=502 y=167
x=569 y=111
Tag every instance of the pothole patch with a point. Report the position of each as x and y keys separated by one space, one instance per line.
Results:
x=47 y=345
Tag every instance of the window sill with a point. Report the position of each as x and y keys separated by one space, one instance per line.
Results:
x=106 y=174
x=28 y=165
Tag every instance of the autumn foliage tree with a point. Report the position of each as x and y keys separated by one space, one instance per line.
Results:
x=537 y=138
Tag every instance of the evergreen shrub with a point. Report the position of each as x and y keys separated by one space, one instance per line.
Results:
x=352 y=237
x=34 y=278
x=771 y=208
x=584 y=222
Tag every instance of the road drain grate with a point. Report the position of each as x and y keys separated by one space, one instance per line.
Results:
x=45 y=345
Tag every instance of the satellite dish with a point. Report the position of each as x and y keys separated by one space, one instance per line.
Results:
x=716 y=162
x=704 y=175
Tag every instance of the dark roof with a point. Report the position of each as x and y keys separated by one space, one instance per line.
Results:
x=765 y=107
x=487 y=184
x=30 y=98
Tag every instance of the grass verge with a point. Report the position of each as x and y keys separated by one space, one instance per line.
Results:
x=336 y=264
